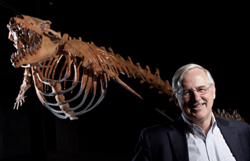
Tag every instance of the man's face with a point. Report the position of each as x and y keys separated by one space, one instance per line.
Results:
x=192 y=80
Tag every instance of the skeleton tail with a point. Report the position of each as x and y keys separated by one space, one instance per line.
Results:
x=146 y=76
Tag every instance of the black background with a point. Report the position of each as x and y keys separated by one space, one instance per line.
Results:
x=158 y=34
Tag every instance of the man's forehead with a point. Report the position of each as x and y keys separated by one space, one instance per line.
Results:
x=195 y=71
x=195 y=77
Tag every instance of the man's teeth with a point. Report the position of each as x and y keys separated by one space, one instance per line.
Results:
x=198 y=105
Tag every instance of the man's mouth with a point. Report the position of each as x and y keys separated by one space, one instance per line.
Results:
x=25 y=41
x=198 y=104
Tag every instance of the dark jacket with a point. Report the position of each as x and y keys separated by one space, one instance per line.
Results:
x=167 y=142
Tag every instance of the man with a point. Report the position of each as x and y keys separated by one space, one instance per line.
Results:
x=197 y=135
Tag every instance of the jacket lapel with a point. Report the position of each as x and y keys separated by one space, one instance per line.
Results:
x=231 y=137
x=178 y=140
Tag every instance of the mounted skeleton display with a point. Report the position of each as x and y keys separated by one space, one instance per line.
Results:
x=50 y=59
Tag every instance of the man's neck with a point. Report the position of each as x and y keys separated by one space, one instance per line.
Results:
x=205 y=124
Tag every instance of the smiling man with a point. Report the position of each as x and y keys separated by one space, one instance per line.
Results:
x=195 y=94
x=196 y=135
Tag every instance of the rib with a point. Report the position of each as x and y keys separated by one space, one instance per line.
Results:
x=88 y=108
x=66 y=101
x=60 y=92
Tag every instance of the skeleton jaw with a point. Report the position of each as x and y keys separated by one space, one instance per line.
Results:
x=31 y=46
x=41 y=52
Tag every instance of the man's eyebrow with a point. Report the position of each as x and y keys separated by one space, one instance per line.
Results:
x=201 y=86
x=186 y=89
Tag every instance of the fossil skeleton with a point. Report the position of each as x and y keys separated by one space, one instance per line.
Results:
x=226 y=115
x=50 y=59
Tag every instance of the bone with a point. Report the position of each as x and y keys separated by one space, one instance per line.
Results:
x=88 y=108
x=81 y=104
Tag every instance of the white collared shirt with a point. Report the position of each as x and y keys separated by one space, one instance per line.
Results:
x=206 y=148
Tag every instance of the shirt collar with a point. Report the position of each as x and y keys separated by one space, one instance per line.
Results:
x=191 y=126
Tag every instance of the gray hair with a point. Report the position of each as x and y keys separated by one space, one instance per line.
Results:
x=178 y=76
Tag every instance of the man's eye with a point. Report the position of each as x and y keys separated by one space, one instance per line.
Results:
x=201 y=90
x=185 y=92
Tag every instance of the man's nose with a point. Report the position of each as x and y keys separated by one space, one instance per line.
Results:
x=196 y=96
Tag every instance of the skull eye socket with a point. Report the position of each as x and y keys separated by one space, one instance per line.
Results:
x=42 y=25
x=20 y=16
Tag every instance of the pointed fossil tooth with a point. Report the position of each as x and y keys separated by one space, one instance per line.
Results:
x=25 y=30
x=38 y=43
x=15 y=45
x=14 y=35
x=12 y=21
x=19 y=27
x=32 y=51
x=33 y=39
x=30 y=34
x=12 y=56
x=28 y=51
x=40 y=40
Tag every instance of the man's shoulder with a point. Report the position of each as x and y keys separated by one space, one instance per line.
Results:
x=232 y=123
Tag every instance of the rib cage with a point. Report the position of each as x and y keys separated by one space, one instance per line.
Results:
x=53 y=70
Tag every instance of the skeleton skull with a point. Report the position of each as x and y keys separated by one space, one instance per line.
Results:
x=33 y=39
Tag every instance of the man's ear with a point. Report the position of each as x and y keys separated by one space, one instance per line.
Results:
x=214 y=92
x=175 y=100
